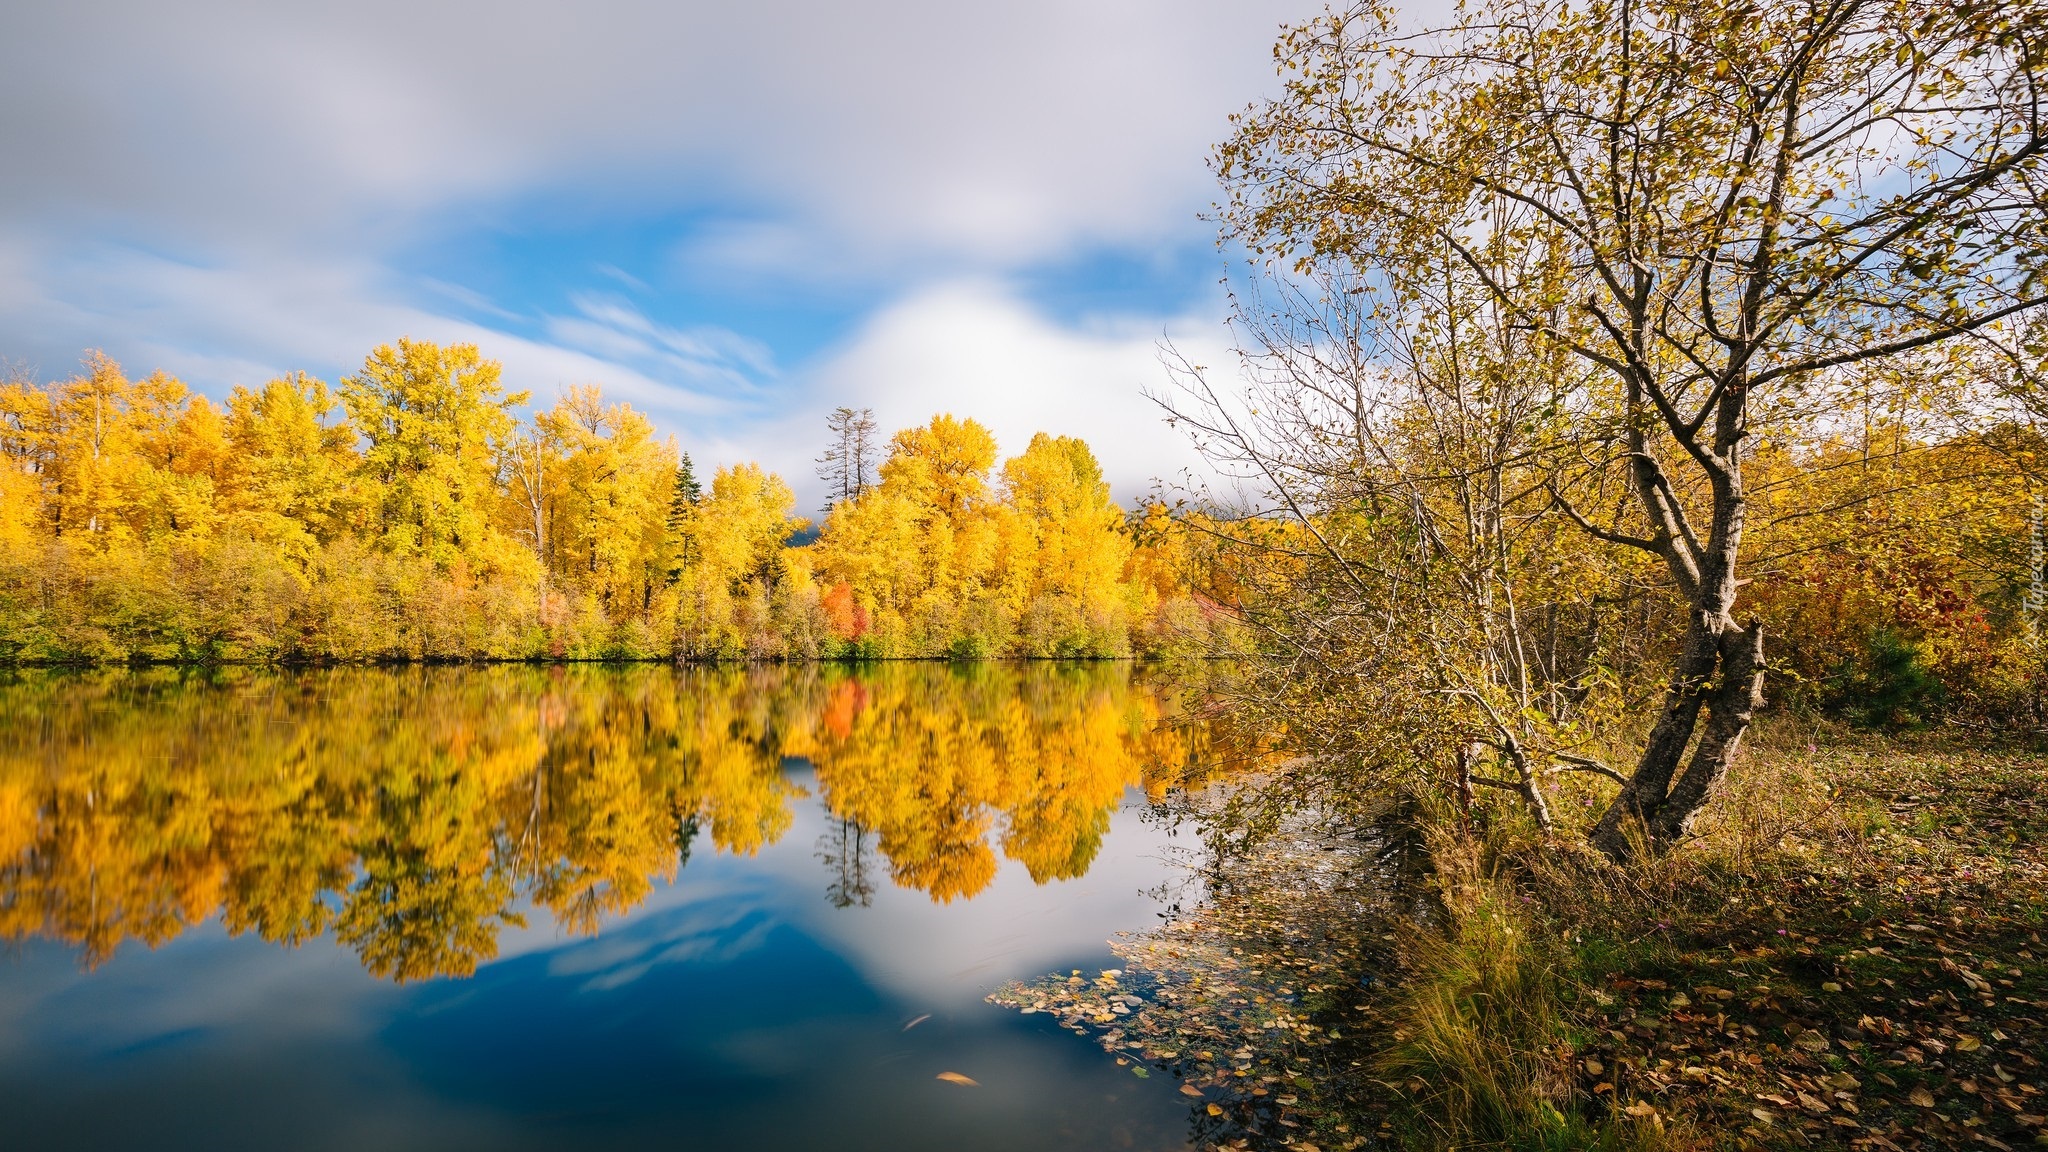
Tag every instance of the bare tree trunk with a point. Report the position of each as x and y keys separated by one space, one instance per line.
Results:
x=1721 y=669
x=1735 y=701
x=1468 y=751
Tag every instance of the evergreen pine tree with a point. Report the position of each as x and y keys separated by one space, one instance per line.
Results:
x=681 y=504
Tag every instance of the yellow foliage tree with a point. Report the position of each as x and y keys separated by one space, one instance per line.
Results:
x=433 y=419
x=736 y=535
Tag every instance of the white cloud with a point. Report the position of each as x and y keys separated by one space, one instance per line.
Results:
x=918 y=129
x=976 y=350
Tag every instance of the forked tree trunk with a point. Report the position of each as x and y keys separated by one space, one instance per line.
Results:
x=1721 y=670
x=1720 y=664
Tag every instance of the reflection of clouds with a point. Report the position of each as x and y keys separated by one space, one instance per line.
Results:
x=701 y=933
x=705 y=880
x=953 y=954
x=304 y=1049
x=222 y=984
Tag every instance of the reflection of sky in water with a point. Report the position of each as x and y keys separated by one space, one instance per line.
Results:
x=735 y=1008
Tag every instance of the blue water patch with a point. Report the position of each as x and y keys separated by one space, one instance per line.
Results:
x=793 y=980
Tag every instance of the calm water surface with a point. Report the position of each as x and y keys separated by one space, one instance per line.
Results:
x=527 y=908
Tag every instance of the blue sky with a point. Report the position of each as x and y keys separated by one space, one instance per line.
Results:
x=732 y=216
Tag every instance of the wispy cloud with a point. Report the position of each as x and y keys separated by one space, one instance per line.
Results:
x=713 y=932
x=614 y=329
x=221 y=325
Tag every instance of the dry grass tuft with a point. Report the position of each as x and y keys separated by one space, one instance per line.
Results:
x=1482 y=1036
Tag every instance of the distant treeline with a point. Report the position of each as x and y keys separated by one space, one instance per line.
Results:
x=409 y=513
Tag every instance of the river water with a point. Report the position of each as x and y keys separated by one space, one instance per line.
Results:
x=574 y=907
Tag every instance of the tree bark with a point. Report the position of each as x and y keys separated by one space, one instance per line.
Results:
x=1720 y=669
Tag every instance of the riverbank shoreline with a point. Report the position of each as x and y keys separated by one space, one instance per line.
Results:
x=1848 y=955
x=545 y=661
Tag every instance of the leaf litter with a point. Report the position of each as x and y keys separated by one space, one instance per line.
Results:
x=1254 y=1000
x=1881 y=986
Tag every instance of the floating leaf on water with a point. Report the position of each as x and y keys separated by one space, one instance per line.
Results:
x=1214 y=1110
x=1190 y=1090
x=957 y=1078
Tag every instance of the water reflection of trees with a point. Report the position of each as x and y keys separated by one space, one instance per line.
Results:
x=411 y=813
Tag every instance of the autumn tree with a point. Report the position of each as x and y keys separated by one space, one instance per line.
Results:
x=181 y=455
x=945 y=462
x=736 y=532
x=614 y=483
x=411 y=513
x=291 y=479
x=85 y=439
x=434 y=420
x=24 y=413
x=1065 y=549
x=118 y=461
x=1713 y=210
x=532 y=461
x=921 y=544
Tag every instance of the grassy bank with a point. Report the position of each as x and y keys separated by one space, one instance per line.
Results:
x=1846 y=957
x=1849 y=955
